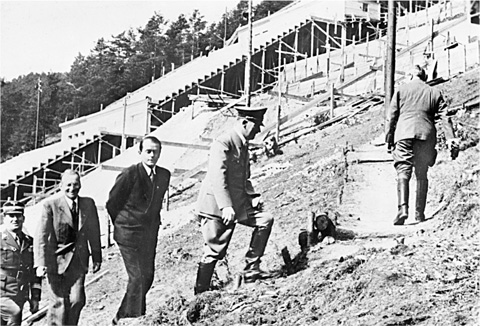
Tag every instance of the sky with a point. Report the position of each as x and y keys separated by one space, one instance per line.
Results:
x=46 y=36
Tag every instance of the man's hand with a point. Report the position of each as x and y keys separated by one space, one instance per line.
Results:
x=390 y=143
x=34 y=305
x=41 y=271
x=228 y=215
x=96 y=267
x=257 y=202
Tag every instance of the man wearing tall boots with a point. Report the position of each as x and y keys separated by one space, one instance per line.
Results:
x=19 y=282
x=134 y=206
x=227 y=198
x=410 y=131
x=67 y=228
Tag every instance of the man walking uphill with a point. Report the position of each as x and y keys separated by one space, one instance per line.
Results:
x=68 y=233
x=134 y=206
x=227 y=197
x=410 y=129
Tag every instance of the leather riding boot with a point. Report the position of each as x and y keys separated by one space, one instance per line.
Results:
x=204 y=276
x=402 y=193
x=421 y=201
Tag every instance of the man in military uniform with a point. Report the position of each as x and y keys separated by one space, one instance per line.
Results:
x=18 y=280
x=227 y=197
x=410 y=130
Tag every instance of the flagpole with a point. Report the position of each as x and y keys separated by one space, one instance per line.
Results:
x=39 y=84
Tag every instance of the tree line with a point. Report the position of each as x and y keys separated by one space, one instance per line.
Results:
x=113 y=67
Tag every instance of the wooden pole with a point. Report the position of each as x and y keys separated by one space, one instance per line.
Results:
x=332 y=100
x=390 y=58
x=248 y=63
x=328 y=61
x=263 y=68
x=295 y=56
x=277 y=132
x=448 y=54
x=124 y=122
x=38 y=111
x=312 y=39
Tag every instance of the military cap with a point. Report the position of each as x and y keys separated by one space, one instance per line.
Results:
x=13 y=207
x=254 y=114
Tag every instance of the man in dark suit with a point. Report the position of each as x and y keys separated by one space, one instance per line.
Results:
x=67 y=228
x=410 y=129
x=134 y=206
x=227 y=197
x=18 y=280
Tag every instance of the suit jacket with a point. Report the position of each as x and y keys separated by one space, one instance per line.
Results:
x=227 y=180
x=16 y=259
x=57 y=242
x=413 y=110
x=134 y=203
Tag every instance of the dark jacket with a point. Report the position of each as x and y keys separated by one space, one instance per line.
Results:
x=134 y=203
x=17 y=273
x=56 y=241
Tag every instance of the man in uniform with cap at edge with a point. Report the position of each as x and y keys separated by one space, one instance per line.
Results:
x=227 y=197
x=18 y=280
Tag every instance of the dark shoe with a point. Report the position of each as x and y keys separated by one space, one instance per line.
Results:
x=204 y=276
x=402 y=215
x=421 y=201
x=402 y=195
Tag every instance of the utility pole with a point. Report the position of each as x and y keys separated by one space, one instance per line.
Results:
x=390 y=58
x=123 y=145
x=248 y=63
x=39 y=90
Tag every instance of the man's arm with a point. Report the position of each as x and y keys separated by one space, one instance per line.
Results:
x=42 y=247
x=447 y=126
x=218 y=168
x=391 y=120
x=120 y=192
x=94 y=236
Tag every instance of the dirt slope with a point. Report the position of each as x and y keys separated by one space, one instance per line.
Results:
x=375 y=274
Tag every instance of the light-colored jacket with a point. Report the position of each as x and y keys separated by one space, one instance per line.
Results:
x=227 y=180
x=413 y=110
x=56 y=241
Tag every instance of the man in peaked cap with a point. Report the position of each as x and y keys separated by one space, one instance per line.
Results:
x=227 y=197
x=19 y=282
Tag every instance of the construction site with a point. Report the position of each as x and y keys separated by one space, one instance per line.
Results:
x=320 y=69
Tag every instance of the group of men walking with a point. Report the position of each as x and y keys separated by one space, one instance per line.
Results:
x=68 y=231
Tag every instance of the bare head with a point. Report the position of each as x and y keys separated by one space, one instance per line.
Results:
x=150 y=148
x=70 y=183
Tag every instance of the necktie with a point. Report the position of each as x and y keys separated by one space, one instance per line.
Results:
x=152 y=175
x=75 y=215
x=18 y=240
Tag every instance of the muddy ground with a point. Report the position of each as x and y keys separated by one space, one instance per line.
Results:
x=375 y=273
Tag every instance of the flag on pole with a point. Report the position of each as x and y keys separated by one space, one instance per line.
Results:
x=38 y=87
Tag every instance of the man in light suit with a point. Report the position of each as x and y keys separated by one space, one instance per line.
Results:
x=227 y=197
x=67 y=228
x=134 y=205
x=410 y=130
x=19 y=283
